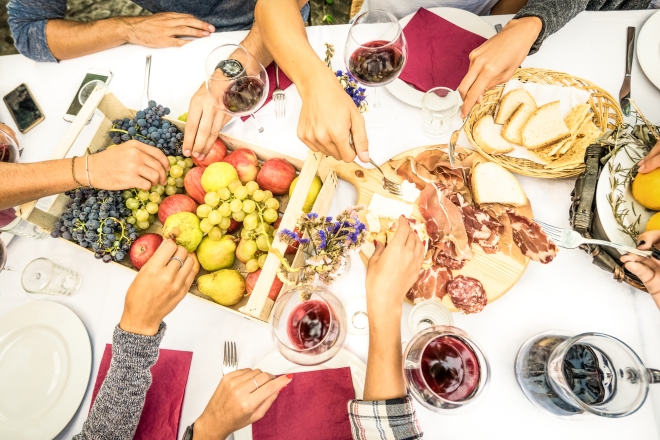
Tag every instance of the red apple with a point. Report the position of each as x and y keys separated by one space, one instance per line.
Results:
x=234 y=226
x=245 y=162
x=143 y=248
x=290 y=249
x=276 y=176
x=193 y=184
x=251 y=281
x=217 y=152
x=174 y=204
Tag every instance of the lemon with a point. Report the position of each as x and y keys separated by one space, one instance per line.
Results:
x=654 y=223
x=646 y=189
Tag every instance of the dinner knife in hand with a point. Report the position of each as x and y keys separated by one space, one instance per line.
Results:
x=624 y=93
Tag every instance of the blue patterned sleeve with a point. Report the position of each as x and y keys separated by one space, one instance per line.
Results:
x=27 y=21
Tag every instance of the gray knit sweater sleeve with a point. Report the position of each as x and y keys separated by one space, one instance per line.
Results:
x=118 y=405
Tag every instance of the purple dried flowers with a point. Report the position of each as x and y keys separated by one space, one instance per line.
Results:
x=353 y=89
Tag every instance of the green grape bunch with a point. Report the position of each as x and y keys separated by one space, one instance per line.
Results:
x=144 y=205
x=179 y=167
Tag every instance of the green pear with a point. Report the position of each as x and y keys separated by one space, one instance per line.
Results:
x=183 y=227
x=217 y=254
x=313 y=193
x=226 y=287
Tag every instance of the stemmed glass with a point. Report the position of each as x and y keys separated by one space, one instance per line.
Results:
x=308 y=325
x=238 y=84
x=375 y=54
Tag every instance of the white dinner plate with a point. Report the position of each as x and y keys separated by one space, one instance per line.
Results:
x=276 y=364
x=465 y=19
x=648 y=48
x=45 y=365
x=604 y=189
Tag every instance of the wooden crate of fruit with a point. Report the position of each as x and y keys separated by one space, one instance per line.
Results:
x=175 y=204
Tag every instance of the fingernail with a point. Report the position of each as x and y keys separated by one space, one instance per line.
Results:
x=364 y=156
x=290 y=376
x=201 y=157
x=206 y=34
x=375 y=242
x=656 y=254
x=282 y=388
x=196 y=155
x=186 y=153
x=641 y=243
x=424 y=242
x=211 y=28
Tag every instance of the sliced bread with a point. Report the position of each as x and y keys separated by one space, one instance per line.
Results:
x=489 y=138
x=545 y=127
x=575 y=156
x=512 y=130
x=493 y=184
x=510 y=102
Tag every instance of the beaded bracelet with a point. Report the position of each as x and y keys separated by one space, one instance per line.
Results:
x=73 y=172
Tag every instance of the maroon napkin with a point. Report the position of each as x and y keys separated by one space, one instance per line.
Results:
x=313 y=405
x=284 y=83
x=438 y=52
x=7 y=216
x=162 y=408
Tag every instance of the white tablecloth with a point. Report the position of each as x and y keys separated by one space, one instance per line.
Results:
x=570 y=294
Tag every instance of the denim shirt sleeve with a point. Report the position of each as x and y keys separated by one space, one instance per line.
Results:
x=27 y=21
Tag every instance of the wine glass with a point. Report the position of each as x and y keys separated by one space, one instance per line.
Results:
x=445 y=370
x=238 y=84
x=375 y=54
x=8 y=149
x=308 y=325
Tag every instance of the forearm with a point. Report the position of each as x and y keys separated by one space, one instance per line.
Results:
x=118 y=405
x=25 y=182
x=384 y=368
x=72 y=39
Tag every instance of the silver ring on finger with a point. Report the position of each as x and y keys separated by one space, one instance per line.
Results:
x=177 y=259
x=255 y=384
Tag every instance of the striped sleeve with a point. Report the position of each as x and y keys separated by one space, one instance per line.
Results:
x=392 y=419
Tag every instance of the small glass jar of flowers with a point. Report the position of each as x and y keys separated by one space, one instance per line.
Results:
x=326 y=243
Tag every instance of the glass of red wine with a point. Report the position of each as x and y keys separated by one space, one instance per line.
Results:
x=308 y=325
x=238 y=84
x=445 y=369
x=8 y=150
x=375 y=54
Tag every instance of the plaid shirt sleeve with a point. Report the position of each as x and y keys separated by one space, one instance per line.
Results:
x=392 y=419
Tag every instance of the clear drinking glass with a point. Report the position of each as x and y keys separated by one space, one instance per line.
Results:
x=24 y=228
x=43 y=276
x=375 y=53
x=591 y=373
x=87 y=90
x=439 y=107
x=427 y=314
x=308 y=325
x=445 y=370
x=8 y=149
x=356 y=314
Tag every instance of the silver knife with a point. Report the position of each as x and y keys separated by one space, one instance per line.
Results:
x=147 y=76
x=624 y=93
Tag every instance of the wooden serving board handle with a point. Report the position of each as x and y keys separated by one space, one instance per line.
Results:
x=366 y=181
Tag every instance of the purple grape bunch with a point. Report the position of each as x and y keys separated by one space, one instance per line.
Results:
x=96 y=219
x=149 y=127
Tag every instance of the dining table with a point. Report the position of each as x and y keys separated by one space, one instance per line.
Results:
x=569 y=294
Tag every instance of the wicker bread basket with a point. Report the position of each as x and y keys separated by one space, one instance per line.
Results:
x=607 y=115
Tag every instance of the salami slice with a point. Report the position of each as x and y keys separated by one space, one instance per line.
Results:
x=467 y=294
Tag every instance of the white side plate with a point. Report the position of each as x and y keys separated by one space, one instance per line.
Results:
x=648 y=48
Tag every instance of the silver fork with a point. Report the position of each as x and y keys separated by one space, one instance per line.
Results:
x=278 y=96
x=569 y=239
x=230 y=361
x=388 y=185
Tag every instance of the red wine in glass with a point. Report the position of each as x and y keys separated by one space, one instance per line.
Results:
x=7 y=153
x=308 y=324
x=376 y=63
x=450 y=368
x=243 y=94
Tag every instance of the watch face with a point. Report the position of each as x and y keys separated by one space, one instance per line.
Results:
x=230 y=68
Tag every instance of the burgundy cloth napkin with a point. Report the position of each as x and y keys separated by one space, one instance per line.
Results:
x=162 y=408
x=313 y=406
x=438 y=52
x=284 y=83
x=7 y=216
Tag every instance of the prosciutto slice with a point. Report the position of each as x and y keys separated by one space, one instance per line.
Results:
x=531 y=239
x=444 y=221
x=431 y=282
x=445 y=255
x=481 y=227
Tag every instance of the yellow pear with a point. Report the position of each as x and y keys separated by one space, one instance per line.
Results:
x=226 y=287
x=313 y=193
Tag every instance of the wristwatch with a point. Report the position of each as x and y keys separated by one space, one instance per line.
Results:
x=230 y=68
x=188 y=435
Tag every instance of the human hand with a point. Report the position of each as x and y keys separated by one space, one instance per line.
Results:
x=392 y=270
x=128 y=165
x=646 y=269
x=162 y=29
x=12 y=134
x=651 y=161
x=158 y=287
x=327 y=118
x=203 y=124
x=237 y=402
x=495 y=61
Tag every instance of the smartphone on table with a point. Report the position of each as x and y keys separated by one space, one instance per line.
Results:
x=92 y=74
x=23 y=108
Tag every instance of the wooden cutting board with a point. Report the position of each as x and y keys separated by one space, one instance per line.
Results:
x=497 y=272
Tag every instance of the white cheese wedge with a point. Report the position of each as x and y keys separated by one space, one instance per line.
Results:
x=410 y=191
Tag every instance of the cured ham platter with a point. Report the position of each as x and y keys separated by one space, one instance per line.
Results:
x=474 y=219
